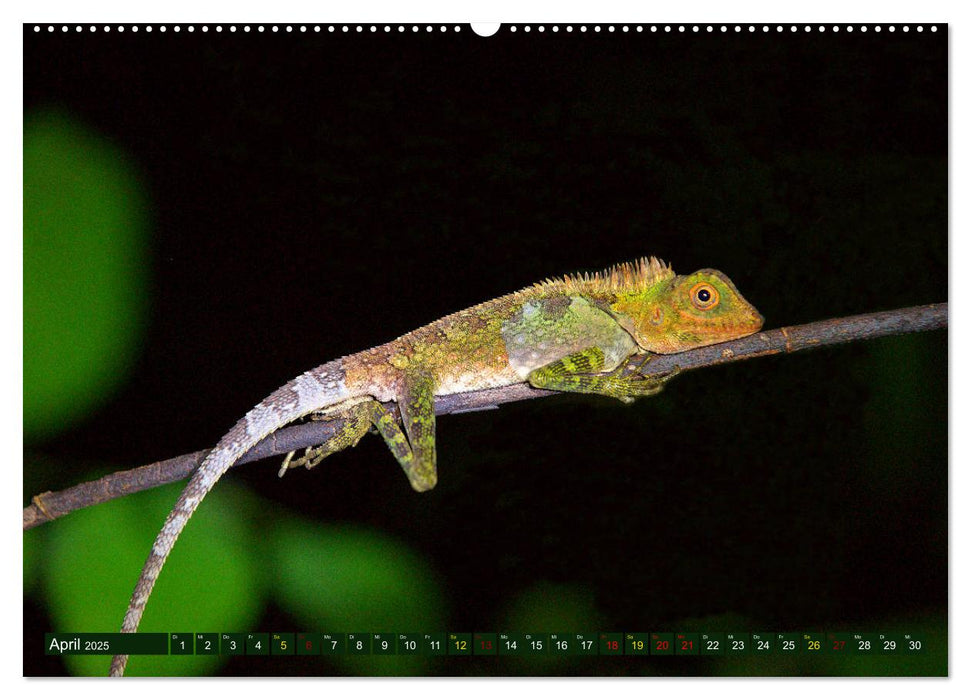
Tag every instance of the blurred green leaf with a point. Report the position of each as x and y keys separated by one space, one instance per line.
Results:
x=345 y=579
x=211 y=581
x=549 y=607
x=901 y=410
x=33 y=544
x=84 y=272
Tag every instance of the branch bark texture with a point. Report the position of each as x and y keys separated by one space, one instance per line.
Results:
x=50 y=505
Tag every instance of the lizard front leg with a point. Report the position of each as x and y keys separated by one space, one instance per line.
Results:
x=579 y=373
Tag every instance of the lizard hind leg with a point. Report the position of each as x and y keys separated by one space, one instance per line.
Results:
x=412 y=442
x=416 y=403
x=356 y=423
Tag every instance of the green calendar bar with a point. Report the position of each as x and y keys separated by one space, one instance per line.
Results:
x=687 y=644
x=358 y=643
x=788 y=643
x=207 y=643
x=484 y=644
x=889 y=643
x=712 y=644
x=383 y=644
x=611 y=643
x=573 y=644
x=536 y=644
x=812 y=643
x=865 y=643
x=232 y=644
x=737 y=643
x=308 y=644
x=830 y=644
x=840 y=644
x=180 y=644
x=662 y=644
x=560 y=644
x=763 y=643
x=332 y=644
x=109 y=643
x=410 y=644
x=434 y=644
x=282 y=643
x=913 y=644
x=459 y=643
x=637 y=644
x=510 y=644
x=258 y=644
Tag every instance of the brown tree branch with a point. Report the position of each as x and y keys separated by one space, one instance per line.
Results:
x=49 y=506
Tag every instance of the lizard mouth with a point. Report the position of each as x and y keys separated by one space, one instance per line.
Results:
x=758 y=320
x=722 y=333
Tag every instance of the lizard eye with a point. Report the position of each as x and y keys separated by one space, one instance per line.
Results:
x=703 y=296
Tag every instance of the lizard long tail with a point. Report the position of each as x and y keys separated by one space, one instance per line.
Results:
x=311 y=391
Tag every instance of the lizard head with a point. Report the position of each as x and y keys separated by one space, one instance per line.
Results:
x=687 y=311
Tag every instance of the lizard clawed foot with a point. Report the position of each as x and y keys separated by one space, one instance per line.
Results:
x=636 y=369
x=355 y=424
x=665 y=376
x=286 y=463
x=646 y=386
x=312 y=456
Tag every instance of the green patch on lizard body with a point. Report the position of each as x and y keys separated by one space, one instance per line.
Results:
x=543 y=332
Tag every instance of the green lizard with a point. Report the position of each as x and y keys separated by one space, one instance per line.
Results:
x=573 y=334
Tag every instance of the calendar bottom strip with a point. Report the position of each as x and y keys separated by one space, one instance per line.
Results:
x=485 y=643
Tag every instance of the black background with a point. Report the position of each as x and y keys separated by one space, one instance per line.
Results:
x=316 y=194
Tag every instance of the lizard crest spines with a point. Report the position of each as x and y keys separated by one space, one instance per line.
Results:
x=624 y=277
